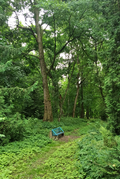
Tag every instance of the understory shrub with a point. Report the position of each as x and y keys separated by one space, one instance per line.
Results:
x=108 y=138
x=13 y=129
x=11 y=126
x=97 y=160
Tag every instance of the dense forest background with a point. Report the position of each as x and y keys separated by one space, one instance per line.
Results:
x=64 y=60
x=60 y=66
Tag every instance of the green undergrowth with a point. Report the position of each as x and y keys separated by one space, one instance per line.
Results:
x=17 y=153
x=58 y=162
x=18 y=157
x=61 y=164
x=34 y=142
x=99 y=156
x=23 y=166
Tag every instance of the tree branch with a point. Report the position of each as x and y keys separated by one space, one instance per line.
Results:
x=85 y=51
x=26 y=28
x=55 y=54
x=33 y=33
x=66 y=44
x=31 y=55
x=31 y=2
x=30 y=29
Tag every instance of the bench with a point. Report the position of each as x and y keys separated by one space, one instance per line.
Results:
x=56 y=133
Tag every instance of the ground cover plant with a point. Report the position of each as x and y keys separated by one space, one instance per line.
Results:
x=95 y=154
x=61 y=164
x=36 y=137
x=99 y=156
x=37 y=153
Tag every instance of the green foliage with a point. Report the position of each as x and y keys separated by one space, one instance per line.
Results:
x=17 y=152
x=2 y=135
x=85 y=31
x=96 y=160
x=37 y=156
x=14 y=154
x=111 y=63
x=61 y=164
x=12 y=128
x=108 y=138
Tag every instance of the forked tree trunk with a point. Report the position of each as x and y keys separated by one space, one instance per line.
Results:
x=48 y=116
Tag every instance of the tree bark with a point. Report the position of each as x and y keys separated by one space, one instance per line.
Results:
x=77 y=93
x=82 y=104
x=87 y=112
x=100 y=83
x=78 y=87
x=48 y=116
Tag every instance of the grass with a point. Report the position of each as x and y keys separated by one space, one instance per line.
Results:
x=56 y=161
x=30 y=165
x=37 y=156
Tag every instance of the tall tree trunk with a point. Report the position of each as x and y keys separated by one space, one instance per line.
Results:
x=78 y=87
x=82 y=104
x=68 y=113
x=48 y=116
x=55 y=97
x=77 y=93
x=87 y=112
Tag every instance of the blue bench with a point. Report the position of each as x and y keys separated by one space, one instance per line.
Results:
x=57 y=132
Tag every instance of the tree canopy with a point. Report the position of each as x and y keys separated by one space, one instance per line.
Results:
x=61 y=59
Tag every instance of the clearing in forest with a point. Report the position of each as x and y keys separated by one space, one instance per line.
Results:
x=59 y=162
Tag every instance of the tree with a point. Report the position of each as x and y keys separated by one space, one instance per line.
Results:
x=110 y=10
x=59 y=17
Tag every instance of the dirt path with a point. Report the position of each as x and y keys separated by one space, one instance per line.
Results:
x=68 y=138
x=53 y=149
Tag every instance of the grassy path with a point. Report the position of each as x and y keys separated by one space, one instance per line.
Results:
x=56 y=161
x=37 y=157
